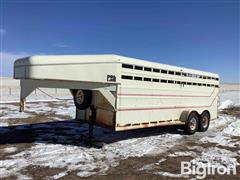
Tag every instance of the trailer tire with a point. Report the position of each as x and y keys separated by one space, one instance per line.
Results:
x=192 y=123
x=82 y=98
x=204 y=121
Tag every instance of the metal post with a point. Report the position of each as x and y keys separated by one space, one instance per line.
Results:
x=91 y=124
x=21 y=105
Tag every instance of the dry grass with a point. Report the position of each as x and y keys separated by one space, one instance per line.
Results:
x=233 y=111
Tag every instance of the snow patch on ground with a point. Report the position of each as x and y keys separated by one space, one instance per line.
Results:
x=212 y=156
x=12 y=111
x=10 y=149
x=152 y=168
x=218 y=139
x=137 y=147
x=173 y=175
x=86 y=160
x=65 y=111
x=224 y=137
x=222 y=121
x=233 y=129
x=233 y=96
x=58 y=176
x=178 y=153
x=216 y=157
x=225 y=104
x=199 y=148
x=228 y=99
x=152 y=165
x=3 y=124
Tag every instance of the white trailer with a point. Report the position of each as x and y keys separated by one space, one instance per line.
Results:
x=126 y=93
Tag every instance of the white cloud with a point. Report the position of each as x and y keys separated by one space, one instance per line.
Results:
x=2 y=32
x=60 y=44
x=7 y=60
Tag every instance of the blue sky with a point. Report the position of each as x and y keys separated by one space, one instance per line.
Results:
x=196 y=34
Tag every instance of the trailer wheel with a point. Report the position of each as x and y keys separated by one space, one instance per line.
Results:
x=204 y=121
x=82 y=98
x=192 y=123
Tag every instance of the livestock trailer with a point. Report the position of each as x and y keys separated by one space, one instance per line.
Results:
x=127 y=93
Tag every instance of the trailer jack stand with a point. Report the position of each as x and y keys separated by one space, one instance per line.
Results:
x=21 y=105
x=91 y=125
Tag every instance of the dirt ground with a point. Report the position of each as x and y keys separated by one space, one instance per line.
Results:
x=56 y=128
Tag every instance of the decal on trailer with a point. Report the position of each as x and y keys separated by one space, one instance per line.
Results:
x=111 y=78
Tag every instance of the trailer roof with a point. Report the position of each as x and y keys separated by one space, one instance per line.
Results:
x=66 y=59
